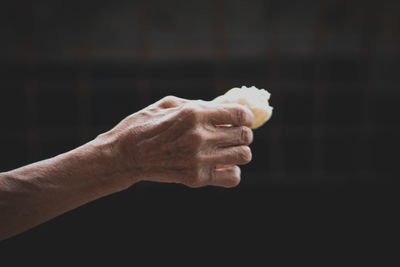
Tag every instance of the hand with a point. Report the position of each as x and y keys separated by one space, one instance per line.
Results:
x=181 y=141
x=195 y=143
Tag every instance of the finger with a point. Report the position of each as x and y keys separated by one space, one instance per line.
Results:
x=171 y=102
x=235 y=155
x=226 y=176
x=231 y=136
x=233 y=114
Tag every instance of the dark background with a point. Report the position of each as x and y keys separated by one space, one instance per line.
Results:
x=323 y=167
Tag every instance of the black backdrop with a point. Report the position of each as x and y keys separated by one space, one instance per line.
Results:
x=322 y=168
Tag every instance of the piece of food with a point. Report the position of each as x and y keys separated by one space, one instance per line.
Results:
x=252 y=97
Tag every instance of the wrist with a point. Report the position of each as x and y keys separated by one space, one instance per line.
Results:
x=103 y=150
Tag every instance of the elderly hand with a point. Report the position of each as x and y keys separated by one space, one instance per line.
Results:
x=193 y=142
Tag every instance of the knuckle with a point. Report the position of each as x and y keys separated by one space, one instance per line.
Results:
x=168 y=101
x=168 y=98
x=240 y=115
x=190 y=114
x=244 y=154
x=246 y=135
x=235 y=181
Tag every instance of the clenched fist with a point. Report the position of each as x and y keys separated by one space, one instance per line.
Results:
x=193 y=142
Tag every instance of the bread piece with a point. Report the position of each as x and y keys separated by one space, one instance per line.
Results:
x=252 y=97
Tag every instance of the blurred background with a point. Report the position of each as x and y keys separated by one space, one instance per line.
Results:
x=70 y=70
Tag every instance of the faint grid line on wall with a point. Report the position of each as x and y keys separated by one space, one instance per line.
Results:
x=144 y=49
x=276 y=155
x=30 y=89
x=369 y=39
x=319 y=92
x=83 y=83
x=217 y=13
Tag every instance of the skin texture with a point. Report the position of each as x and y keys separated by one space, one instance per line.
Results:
x=192 y=142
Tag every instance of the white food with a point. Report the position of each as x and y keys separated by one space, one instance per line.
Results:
x=257 y=100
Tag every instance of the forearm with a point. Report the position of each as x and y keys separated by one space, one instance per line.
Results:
x=38 y=192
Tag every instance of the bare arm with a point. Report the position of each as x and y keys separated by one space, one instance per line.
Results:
x=38 y=192
x=174 y=140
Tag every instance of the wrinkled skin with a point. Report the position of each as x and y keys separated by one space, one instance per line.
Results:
x=193 y=142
